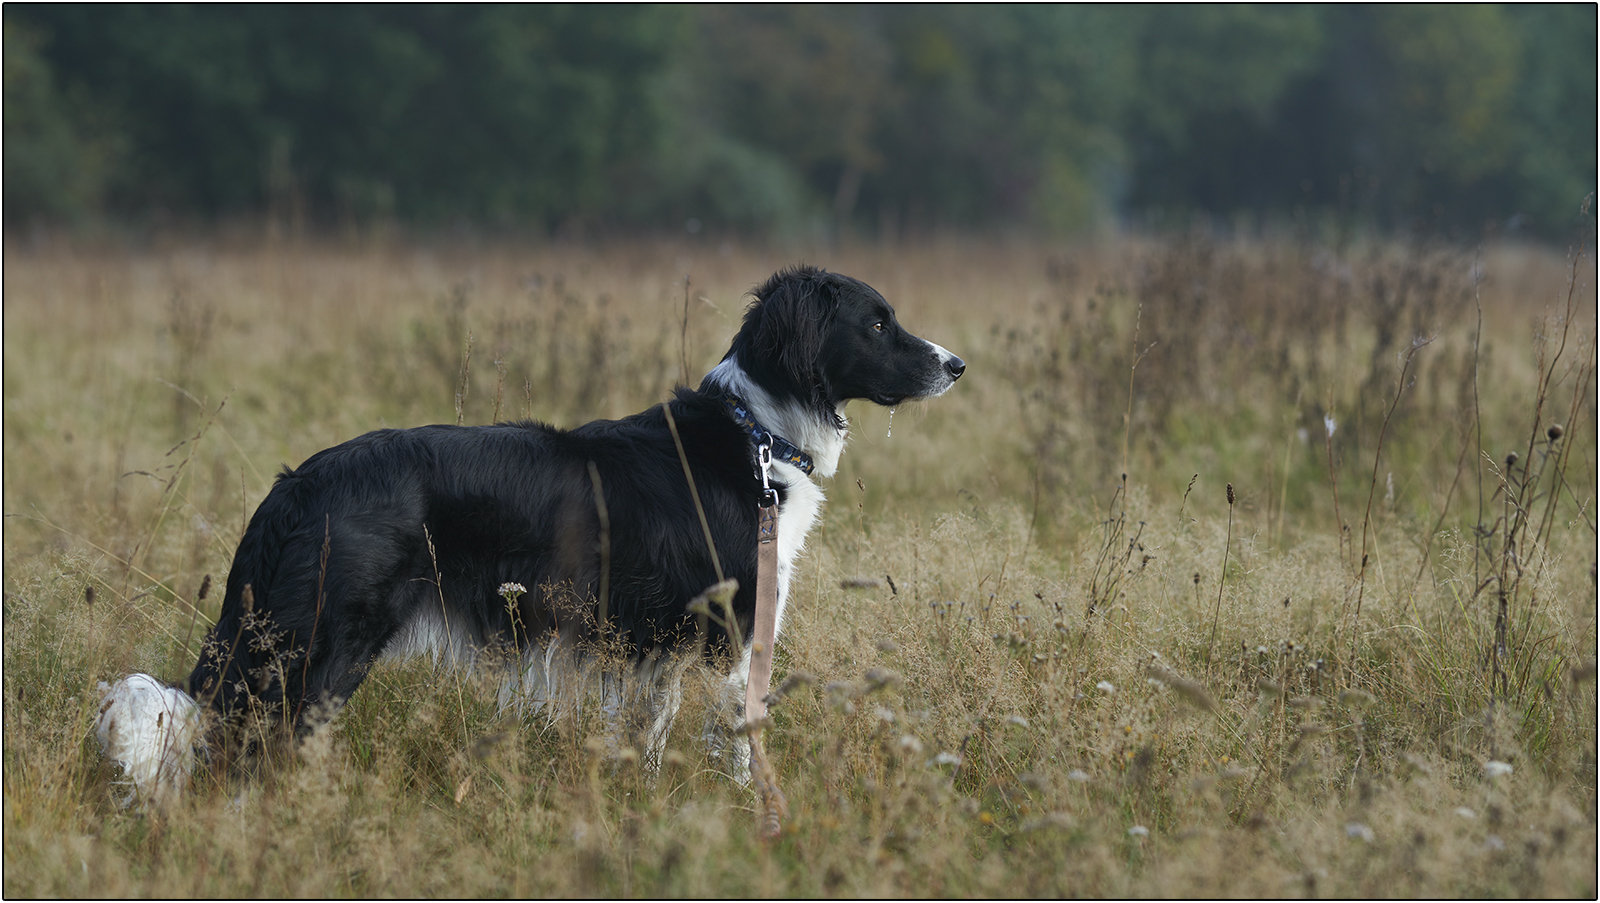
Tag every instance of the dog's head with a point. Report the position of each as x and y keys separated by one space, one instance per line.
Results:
x=827 y=338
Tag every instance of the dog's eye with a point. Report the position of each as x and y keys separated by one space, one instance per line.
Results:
x=878 y=326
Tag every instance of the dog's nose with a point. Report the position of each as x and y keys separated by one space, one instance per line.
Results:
x=956 y=366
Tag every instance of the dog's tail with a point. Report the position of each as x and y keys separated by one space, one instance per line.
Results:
x=154 y=731
x=150 y=729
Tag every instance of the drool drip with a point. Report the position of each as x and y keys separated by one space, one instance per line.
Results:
x=891 y=424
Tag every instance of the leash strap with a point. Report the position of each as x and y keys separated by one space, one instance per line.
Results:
x=766 y=627
x=774 y=806
x=766 y=624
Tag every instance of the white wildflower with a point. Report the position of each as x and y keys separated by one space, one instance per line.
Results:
x=1357 y=830
x=1497 y=769
x=1105 y=686
x=1138 y=831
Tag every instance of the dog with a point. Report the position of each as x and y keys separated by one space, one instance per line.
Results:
x=444 y=539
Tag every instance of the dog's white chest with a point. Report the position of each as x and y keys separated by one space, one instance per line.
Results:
x=796 y=516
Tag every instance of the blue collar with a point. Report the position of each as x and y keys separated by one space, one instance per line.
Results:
x=782 y=449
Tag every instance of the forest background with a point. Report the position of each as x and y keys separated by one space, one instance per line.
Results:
x=802 y=121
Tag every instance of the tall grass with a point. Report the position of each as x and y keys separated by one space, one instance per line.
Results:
x=1051 y=654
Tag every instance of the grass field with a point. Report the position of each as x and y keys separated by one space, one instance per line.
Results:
x=1213 y=576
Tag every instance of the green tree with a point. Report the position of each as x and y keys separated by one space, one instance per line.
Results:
x=507 y=114
x=57 y=162
x=1554 y=103
x=800 y=118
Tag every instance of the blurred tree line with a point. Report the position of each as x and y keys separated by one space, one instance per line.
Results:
x=875 y=119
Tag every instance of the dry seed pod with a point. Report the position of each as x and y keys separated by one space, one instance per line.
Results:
x=1354 y=697
x=1188 y=690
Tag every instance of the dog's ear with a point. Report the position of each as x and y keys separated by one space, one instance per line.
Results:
x=794 y=312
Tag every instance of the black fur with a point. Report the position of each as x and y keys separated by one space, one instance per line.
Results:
x=365 y=538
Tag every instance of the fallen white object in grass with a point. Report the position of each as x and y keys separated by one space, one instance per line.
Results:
x=1496 y=769
x=1358 y=831
x=150 y=730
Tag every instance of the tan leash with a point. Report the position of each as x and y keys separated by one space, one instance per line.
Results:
x=774 y=806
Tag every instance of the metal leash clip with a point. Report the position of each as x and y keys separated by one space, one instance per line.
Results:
x=769 y=496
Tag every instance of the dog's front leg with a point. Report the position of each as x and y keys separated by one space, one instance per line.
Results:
x=722 y=735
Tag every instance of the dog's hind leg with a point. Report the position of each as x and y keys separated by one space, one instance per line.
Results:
x=665 y=695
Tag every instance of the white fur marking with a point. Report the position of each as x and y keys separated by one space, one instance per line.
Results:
x=150 y=730
x=946 y=380
x=429 y=634
x=824 y=442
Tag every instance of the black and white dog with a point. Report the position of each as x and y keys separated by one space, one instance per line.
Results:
x=405 y=541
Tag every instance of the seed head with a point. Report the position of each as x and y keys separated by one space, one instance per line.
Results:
x=1230 y=493
x=1511 y=460
x=1554 y=432
x=1356 y=698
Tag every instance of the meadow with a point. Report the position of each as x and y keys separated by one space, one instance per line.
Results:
x=1230 y=568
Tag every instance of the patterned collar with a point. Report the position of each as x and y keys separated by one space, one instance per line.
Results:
x=782 y=449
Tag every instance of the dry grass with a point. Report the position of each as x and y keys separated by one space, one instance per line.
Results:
x=1055 y=681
